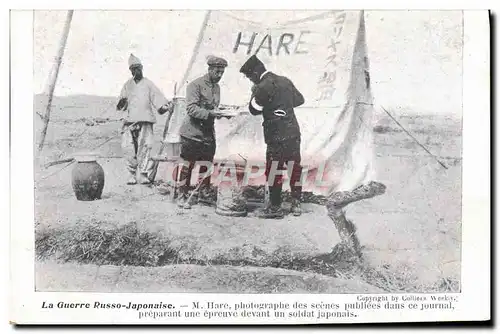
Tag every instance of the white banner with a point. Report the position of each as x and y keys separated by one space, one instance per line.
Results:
x=315 y=51
x=324 y=54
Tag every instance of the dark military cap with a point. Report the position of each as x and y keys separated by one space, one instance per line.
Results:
x=216 y=61
x=250 y=65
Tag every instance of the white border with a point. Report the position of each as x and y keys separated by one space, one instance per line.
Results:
x=476 y=163
x=22 y=183
x=474 y=304
x=257 y=4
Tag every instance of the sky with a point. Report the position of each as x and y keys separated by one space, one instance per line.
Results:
x=415 y=56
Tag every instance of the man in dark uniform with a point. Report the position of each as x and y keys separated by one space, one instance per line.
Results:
x=275 y=97
x=197 y=132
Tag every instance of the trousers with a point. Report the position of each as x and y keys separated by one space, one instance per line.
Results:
x=137 y=142
x=193 y=151
x=278 y=156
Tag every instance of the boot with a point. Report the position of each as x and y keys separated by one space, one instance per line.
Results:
x=132 y=180
x=274 y=210
x=296 y=208
x=271 y=212
x=143 y=179
x=182 y=201
x=205 y=196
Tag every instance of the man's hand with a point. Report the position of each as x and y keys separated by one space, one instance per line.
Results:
x=168 y=107
x=217 y=113
x=122 y=104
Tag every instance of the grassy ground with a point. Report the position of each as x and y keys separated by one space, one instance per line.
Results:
x=411 y=235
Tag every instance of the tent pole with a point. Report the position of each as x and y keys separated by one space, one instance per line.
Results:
x=196 y=48
x=53 y=77
x=184 y=78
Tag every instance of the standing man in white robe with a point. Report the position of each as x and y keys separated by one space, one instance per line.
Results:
x=139 y=99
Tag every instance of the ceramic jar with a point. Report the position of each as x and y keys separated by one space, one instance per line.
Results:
x=87 y=178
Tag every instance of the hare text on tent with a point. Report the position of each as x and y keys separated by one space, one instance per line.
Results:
x=287 y=42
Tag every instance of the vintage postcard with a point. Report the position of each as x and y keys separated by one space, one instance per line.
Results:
x=250 y=166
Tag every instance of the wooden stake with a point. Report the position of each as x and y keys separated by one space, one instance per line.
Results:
x=346 y=230
x=163 y=144
x=53 y=79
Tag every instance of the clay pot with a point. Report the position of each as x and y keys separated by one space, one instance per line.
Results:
x=87 y=178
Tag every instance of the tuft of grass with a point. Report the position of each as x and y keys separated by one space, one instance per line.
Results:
x=401 y=280
x=103 y=243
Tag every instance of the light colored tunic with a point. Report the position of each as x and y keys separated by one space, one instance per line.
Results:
x=144 y=100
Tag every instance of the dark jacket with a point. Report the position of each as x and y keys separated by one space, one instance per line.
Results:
x=202 y=95
x=272 y=93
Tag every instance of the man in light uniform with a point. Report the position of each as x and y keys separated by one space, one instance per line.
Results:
x=140 y=99
x=198 y=132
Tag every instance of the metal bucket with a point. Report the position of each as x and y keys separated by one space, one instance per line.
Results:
x=231 y=199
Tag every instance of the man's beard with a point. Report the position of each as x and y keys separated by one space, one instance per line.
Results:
x=138 y=76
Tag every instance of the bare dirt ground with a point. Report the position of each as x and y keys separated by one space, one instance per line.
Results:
x=411 y=235
x=189 y=278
